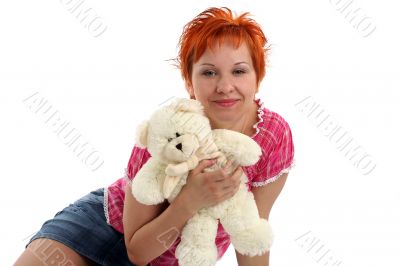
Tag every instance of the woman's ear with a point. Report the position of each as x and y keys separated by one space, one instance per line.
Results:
x=141 y=134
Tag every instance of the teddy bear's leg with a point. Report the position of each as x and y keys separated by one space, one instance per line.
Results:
x=250 y=234
x=197 y=246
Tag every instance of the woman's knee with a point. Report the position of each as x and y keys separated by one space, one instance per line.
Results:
x=43 y=251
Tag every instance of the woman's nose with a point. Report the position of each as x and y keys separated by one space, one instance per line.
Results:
x=225 y=85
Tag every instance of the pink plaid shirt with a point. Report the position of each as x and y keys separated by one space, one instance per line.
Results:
x=274 y=136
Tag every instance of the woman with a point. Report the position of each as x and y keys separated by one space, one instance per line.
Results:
x=222 y=60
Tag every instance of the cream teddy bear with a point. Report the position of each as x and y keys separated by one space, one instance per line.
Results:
x=178 y=136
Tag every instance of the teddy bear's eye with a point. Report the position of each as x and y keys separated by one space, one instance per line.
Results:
x=169 y=139
x=177 y=135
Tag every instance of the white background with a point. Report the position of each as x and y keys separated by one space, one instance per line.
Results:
x=105 y=86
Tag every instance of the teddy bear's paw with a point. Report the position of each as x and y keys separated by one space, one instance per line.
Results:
x=254 y=241
x=196 y=257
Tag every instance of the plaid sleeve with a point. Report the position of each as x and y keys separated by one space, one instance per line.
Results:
x=139 y=157
x=280 y=157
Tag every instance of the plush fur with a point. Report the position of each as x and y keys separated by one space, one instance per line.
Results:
x=178 y=136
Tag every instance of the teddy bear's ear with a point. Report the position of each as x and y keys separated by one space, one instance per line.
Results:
x=141 y=134
x=187 y=105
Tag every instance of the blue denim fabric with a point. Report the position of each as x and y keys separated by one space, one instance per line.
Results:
x=82 y=226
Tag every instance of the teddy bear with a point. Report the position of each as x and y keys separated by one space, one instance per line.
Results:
x=178 y=136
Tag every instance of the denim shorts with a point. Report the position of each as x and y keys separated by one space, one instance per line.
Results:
x=82 y=226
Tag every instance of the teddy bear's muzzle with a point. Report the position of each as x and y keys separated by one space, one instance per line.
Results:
x=181 y=149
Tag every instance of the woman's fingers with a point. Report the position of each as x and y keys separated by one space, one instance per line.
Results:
x=232 y=181
x=210 y=188
x=229 y=193
x=202 y=165
x=227 y=165
x=221 y=175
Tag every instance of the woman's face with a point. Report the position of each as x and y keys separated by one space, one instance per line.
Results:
x=224 y=81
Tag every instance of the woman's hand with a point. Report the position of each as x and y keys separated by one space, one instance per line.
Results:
x=206 y=189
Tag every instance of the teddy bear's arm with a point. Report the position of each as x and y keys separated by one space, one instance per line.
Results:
x=147 y=184
x=182 y=168
x=243 y=148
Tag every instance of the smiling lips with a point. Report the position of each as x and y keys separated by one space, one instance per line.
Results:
x=226 y=102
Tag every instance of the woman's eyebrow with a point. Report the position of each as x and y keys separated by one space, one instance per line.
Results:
x=238 y=63
x=242 y=62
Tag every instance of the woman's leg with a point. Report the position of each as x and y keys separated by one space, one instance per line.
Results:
x=43 y=251
x=81 y=228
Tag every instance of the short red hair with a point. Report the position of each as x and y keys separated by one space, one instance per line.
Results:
x=215 y=25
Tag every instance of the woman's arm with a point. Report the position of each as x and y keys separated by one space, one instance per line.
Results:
x=265 y=197
x=149 y=230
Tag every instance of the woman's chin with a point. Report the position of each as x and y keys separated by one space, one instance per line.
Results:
x=223 y=121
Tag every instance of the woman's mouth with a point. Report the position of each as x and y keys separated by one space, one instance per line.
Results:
x=226 y=103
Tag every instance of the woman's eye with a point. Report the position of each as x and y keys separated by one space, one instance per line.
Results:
x=209 y=73
x=239 y=71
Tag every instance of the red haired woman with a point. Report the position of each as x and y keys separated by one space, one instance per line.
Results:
x=222 y=61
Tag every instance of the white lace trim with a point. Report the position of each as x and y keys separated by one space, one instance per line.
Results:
x=105 y=201
x=272 y=179
x=105 y=205
x=260 y=113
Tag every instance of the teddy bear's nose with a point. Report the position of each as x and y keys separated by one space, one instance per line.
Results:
x=179 y=146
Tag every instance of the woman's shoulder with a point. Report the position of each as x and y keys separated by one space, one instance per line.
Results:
x=275 y=139
x=139 y=156
x=270 y=128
